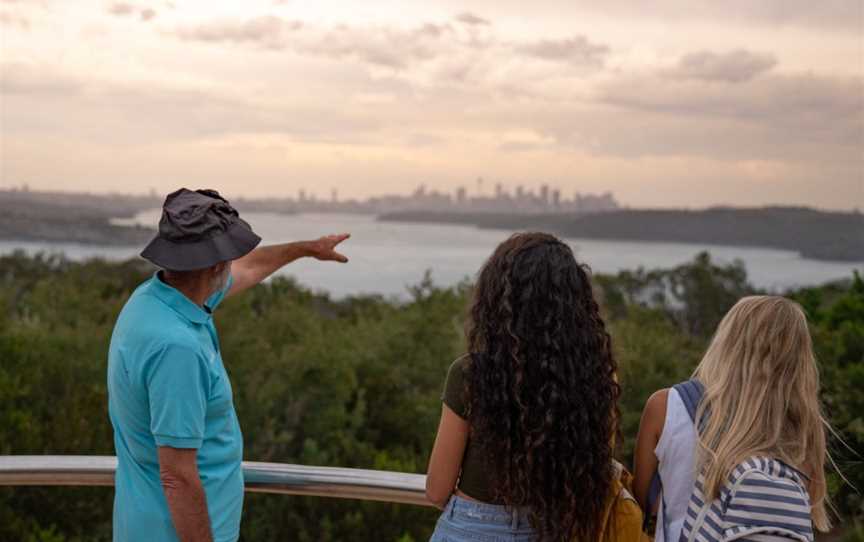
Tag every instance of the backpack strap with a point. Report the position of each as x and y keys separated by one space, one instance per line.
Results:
x=653 y=493
x=691 y=392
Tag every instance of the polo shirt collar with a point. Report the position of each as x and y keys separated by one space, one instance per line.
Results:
x=175 y=299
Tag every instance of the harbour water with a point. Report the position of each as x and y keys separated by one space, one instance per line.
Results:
x=386 y=257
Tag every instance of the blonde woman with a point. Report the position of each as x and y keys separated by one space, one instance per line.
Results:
x=760 y=444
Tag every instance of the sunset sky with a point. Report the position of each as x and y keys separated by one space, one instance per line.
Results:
x=663 y=102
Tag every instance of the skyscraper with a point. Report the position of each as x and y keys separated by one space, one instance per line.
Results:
x=461 y=194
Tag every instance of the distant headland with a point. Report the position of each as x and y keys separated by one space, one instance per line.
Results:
x=821 y=235
x=71 y=218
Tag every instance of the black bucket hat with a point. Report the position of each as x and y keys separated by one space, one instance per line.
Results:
x=199 y=229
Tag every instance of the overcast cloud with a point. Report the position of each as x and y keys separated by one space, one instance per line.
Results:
x=733 y=67
x=720 y=103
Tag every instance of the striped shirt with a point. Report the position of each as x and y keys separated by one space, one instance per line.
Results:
x=763 y=500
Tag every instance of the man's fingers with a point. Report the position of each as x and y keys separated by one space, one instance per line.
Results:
x=336 y=239
x=327 y=248
x=339 y=238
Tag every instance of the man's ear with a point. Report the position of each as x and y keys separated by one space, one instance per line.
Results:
x=218 y=269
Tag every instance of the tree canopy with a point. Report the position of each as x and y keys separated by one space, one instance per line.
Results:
x=353 y=382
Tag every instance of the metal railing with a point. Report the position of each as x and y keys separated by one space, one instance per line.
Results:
x=371 y=485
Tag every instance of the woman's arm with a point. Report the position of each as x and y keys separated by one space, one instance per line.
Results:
x=446 y=460
x=644 y=460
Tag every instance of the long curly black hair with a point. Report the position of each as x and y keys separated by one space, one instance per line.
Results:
x=541 y=386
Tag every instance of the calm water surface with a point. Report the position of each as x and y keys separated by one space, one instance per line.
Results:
x=388 y=256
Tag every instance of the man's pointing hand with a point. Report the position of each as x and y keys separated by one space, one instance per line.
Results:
x=324 y=249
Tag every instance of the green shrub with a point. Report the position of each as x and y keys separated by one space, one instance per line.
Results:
x=353 y=382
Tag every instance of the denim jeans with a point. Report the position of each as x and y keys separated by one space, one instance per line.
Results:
x=469 y=521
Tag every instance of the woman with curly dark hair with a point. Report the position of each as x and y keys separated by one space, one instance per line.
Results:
x=524 y=449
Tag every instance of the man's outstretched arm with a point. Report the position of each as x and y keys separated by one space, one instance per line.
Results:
x=263 y=261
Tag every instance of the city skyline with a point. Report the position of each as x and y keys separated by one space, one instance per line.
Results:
x=522 y=199
x=663 y=104
x=325 y=195
x=547 y=199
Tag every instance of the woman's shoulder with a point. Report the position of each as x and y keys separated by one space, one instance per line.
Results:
x=460 y=367
x=655 y=406
x=454 y=395
x=460 y=364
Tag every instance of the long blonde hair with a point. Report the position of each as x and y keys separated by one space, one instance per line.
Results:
x=762 y=396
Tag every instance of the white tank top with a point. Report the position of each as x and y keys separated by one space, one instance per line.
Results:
x=676 y=452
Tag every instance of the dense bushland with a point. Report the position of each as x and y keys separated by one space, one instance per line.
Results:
x=353 y=382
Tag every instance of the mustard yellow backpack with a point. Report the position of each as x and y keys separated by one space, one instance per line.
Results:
x=622 y=518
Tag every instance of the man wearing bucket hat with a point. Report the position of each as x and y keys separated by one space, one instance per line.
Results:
x=177 y=438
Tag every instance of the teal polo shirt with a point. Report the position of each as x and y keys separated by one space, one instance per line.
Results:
x=167 y=387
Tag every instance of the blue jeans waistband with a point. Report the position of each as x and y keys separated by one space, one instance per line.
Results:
x=461 y=508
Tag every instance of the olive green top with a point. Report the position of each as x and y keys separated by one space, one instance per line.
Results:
x=474 y=479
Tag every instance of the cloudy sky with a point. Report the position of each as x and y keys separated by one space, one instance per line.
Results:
x=662 y=102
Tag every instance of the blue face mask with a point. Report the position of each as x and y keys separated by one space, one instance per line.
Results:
x=223 y=282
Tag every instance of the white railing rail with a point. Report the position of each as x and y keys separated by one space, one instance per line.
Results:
x=371 y=485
